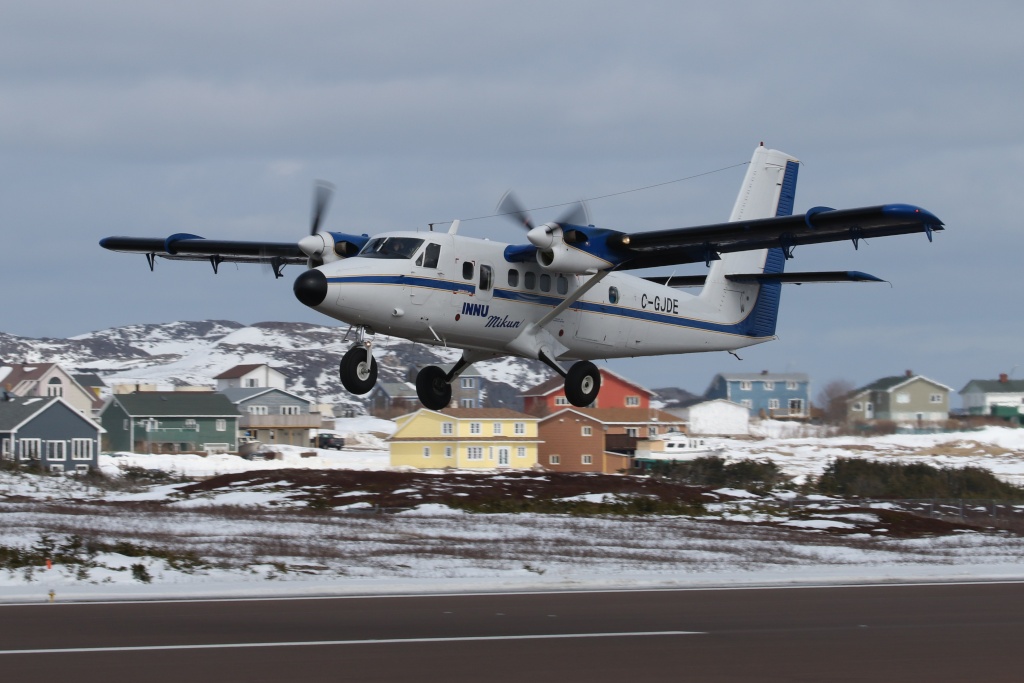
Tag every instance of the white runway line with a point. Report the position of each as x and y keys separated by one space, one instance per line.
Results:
x=385 y=641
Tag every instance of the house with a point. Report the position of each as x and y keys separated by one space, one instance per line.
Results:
x=170 y=422
x=908 y=400
x=1004 y=396
x=47 y=432
x=480 y=438
x=616 y=392
x=774 y=395
x=388 y=399
x=598 y=439
x=717 y=417
x=250 y=377
x=46 y=380
x=274 y=416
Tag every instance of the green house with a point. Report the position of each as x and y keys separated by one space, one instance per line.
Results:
x=170 y=422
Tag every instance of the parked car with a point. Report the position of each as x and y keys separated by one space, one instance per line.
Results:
x=328 y=441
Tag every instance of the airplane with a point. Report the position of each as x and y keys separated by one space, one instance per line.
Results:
x=566 y=294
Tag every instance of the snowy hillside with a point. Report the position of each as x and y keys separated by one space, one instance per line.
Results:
x=195 y=352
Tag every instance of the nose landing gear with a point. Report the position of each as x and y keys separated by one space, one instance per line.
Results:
x=358 y=370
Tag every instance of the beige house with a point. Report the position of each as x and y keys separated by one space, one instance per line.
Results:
x=909 y=400
x=49 y=380
x=481 y=438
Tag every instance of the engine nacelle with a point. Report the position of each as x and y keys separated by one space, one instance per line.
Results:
x=563 y=258
x=325 y=247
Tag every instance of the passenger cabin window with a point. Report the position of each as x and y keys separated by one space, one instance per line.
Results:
x=513 y=277
x=530 y=280
x=545 y=282
x=562 y=284
x=613 y=295
x=486 y=278
x=467 y=270
x=430 y=256
x=391 y=247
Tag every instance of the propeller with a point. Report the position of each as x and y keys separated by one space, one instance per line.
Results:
x=314 y=245
x=543 y=236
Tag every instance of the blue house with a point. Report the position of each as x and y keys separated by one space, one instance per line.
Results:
x=47 y=434
x=776 y=395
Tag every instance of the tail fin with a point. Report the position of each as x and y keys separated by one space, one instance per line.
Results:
x=768 y=190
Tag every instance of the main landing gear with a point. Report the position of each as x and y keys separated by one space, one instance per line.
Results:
x=358 y=370
x=582 y=383
x=433 y=388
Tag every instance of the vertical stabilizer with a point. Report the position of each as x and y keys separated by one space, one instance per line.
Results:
x=769 y=189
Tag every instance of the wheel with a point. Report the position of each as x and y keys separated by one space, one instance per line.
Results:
x=434 y=392
x=358 y=375
x=582 y=383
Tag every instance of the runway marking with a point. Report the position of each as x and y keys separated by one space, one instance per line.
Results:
x=377 y=641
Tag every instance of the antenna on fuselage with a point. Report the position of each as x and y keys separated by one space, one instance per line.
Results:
x=455 y=227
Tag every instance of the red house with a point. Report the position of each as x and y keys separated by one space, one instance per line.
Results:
x=616 y=392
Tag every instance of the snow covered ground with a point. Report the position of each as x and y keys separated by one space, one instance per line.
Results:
x=244 y=540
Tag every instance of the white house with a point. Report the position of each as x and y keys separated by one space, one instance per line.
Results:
x=717 y=417
x=250 y=377
x=980 y=395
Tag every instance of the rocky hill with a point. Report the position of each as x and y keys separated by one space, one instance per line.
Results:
x=195 y=352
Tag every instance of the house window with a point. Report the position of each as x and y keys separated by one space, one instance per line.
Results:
x=858 y=406
x=561 y=401
x=521 y=452
x=252 y=382
x=747 y=403
x=152 y=424
x=554 y=460
x=935 y=398
x=447 y=451
x=633 y=432
x=29 y=449
x=588 y=460
x=466 y=383
x=222 y=425
x=258 y=410
x=81 y=449
x=426 y=451
x=124 y=424
x=745 y=386
x=474 y=428
x=586 y=431
x=652 y=431
x=475 y=453
x=769 y=386
x=796 y=406
x=56 y=468
x=520 y=428
x=467 y=403
x=191 y=424
x=497 y=429
x=5 y=449
x=56 y=450
x=513 y=277
x=82 y=469
x=291 y=410
x=903 y=398
x=792 y=386
x=632 y=401
x=55 y=388
x=447 y=428
x=773 y=404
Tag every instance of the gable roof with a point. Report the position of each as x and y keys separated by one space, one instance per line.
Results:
x=890 y=384
x=176 y=403
x=239 y=394
x=242 y=370
x=19 y=410
x=994 y=386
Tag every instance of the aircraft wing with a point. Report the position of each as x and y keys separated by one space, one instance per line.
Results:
x=183 y=247
x=821 y=224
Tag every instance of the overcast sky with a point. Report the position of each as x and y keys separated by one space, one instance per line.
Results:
x=148 y=118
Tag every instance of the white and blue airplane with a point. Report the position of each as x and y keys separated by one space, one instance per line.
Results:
x=566 y=295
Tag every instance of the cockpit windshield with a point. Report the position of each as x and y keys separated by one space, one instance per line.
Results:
x=391 y=247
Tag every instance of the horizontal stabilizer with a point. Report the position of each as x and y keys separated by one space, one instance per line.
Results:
x=682 y=281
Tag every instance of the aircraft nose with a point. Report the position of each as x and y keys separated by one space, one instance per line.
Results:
x=311 y=288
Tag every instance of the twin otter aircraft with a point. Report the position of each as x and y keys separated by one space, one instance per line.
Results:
x=564 y=296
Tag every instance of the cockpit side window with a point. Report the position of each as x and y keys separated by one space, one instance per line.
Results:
x=431 y=255
x=391 y=247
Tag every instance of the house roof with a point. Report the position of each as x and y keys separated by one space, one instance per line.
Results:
x=557 y=384
x=241 y=371
x=889 y=384
x=397 y=389
x=20 y=408
x=994 y=386
x=620 y=415
x=90 y=380
x=486 y=414
x=239 y=394
x=176 y=403
x=764 y=376
x=21 y=372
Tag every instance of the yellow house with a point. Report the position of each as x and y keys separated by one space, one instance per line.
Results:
x=481 y=438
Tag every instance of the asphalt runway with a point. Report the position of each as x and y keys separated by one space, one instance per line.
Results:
x=932 y=633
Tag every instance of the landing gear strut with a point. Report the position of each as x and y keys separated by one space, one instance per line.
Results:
x=432 y=388
x=358 y=370
x=582 y=383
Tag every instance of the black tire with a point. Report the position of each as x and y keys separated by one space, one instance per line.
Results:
x=434 y=392
x=358 y=376
x=582 y=384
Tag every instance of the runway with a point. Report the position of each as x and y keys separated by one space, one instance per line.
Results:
x=935 y=633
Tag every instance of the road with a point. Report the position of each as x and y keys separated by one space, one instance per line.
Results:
x=933 y=633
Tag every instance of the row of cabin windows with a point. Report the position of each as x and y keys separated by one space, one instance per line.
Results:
x=448 y=428
x=767 y=385
x=37 y=449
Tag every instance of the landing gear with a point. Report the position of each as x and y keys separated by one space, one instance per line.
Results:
x=582 y=383
x=358 y=370
x=433 y=389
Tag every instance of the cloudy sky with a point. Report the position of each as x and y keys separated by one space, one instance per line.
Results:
x=148 y=118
